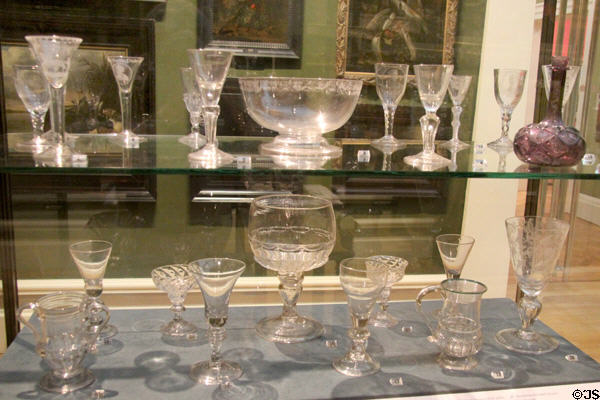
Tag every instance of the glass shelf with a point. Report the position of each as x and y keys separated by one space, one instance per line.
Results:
x=163 y=154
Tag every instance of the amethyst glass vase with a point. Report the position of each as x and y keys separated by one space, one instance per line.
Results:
x=550 y=142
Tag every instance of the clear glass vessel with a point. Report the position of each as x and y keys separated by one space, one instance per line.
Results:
x=454 y=250
x=570 y=79
x=508 y=89
x=291 y=234
x=216 y=278
x=458 y=88
x=193 y=104
x=395 y=272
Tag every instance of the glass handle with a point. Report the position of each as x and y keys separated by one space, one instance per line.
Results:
x=429 y=320
x=33 y=307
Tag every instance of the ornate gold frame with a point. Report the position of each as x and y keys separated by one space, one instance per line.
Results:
x=342 y=39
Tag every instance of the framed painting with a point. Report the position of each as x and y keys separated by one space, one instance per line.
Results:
x=252 y=28
x=395 y=31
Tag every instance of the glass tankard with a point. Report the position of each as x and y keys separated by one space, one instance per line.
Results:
x=457 y=327
x=64 y=337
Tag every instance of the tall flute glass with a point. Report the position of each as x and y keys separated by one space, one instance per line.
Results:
x=390 y=84
x=432 y=82
x=53 y=54
x=508 y=89
x=32 y=88
x=125 y=69
x=210 y=68
x=193 y=104
x=458 y=87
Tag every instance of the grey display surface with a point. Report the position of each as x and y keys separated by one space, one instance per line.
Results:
x=144 y=366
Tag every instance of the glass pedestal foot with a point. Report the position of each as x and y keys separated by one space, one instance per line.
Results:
x=36 y=145
x=452 y=144
x=178 y=328
x=192 y=140
x=455 y=363
x=300 y=147
x=209 y=157
x=383 y=319
x=52 y=383
x=533 y=343
x=350 y=366
x=59 y=155
x=289 y=330
x=130 y=141
x=388 y=144
x=503 y=142
x=223 y=372
x=427 y=162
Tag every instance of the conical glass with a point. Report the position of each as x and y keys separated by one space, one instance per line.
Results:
x=508 y=89
x=176 y=280
x=571 y=78
x=124 y=70
x=458 y=87
x=33 y=90
x=91 y=258
x=210 y=69
x=395 y=272
x=535 y=245
x=362 y=280
x=390 y=82
x=454 y=250
x=193 y=104
x=432 y=82
x=291 y=234
x=53 y=54
x=216 y=278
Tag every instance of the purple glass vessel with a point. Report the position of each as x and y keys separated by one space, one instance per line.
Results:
x=550 y=142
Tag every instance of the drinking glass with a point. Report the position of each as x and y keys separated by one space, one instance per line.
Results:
x=535 y=244
x=458 y=87
x=124 y=69
x=390 y=84
x=362 y=280
x=91 y=258
x=572 y=73
x=508 y=89
x=32 y=88
x=454 y=250
x=216 y=278
x=395 y=272
x=432 y=82
x=53 y=54
x=176 y=280
x=193 y=103
x=291 y=234
x=210 y=69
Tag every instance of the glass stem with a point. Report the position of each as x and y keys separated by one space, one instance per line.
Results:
x=57 y=112
x=529 y=309
x=195 y=119
x=388 y=113
x=506 y=116
x=359 y=334
x=216 y=336
x=93 y=288
x=210 y=123
x=429 y=125
x=290 y=287
x=125 y=98
x=37 y=122
x=456 y=111
x=384 y=299
x=177 y=309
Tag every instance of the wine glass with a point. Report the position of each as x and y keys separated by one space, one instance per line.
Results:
x=193 y=103
x=572 y=73
x=175 y=280
x=291 y=234
x=535 y=244
x=390 y=83
x=124 y=70
x=395 y=272
x=53 y=54
x=210 y=69
x=458 y=87
x=454 y=250
x=508 y=89
x=432 y=82
x=216 y=278
x=362 y=280
x=32 y=88
x=91 y=258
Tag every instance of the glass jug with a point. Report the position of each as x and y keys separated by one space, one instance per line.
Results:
x=456 y=328
x=64 y=337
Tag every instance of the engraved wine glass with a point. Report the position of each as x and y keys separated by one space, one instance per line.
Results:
x=508 y=89
x=395 y=272
x=193 y=104
x=291 y=234
x=458 y=87
x=53 y=54
x=432 y=82
x=33 y=90
x=454 y=250
x=216 y=278
x=390 y=84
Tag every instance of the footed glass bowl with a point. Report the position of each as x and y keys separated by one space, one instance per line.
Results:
x=301 y=110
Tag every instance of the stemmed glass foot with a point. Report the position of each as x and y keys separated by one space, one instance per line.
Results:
x=528 y=343
x=52 y=383
x=210 y=156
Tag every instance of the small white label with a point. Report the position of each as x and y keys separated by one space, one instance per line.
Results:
x=479 y=149
x=479 y=164
x=396 y=381
x=497 y=374
x=363 y=156
x=588 y=159
x=244 y=162
x=597 y=169
x=571 y=357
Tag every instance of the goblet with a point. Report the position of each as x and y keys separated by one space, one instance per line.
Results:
x=454 y=250
x=210 y=69
x=193 y=103
x=32 y=88
x=390 y=82
x=124 y=69
x=432 y=82
x=216 y=278
x=91 y=258
x=395 y=272
x=53 y=54
x=458 y=87
x=508 y=89
x=535 y=244
x=362 y=279
x=175 y=280
x=291 y=234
